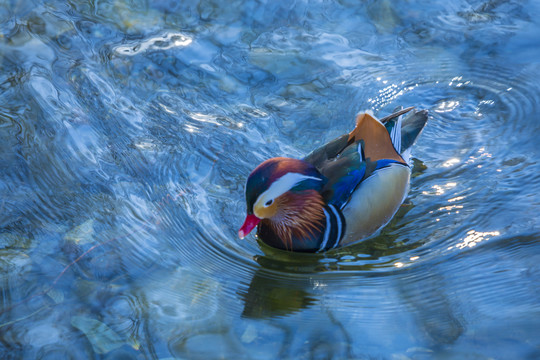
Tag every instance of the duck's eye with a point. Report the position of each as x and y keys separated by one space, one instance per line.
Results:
x=269 y=202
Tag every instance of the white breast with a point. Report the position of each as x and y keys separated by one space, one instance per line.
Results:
x=375 y=202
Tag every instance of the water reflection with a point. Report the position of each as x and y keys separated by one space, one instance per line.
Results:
x=474 y=237
x=270 y=297
x=276 y=292
x=163 y=42
x=284 y=283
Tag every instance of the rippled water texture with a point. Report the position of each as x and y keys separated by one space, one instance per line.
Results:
x=127 y=132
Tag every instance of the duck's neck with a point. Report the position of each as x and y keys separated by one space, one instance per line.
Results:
x=301 y=218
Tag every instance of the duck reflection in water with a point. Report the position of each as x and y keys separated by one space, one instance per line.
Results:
x=289 y=287
x=285 y=285
x=274 y=294
x=287 y=282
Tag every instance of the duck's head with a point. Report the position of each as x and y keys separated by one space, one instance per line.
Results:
x=284 y=193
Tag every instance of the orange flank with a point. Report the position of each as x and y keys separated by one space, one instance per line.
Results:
x=378 y=144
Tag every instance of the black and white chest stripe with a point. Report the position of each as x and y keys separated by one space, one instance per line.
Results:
x=334 y=230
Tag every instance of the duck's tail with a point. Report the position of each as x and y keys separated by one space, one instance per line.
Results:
x=404 y=130
x=412 y=126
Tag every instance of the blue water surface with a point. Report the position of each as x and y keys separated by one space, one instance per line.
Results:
x=128 y=128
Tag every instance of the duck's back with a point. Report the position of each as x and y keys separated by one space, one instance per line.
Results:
x=368 y=178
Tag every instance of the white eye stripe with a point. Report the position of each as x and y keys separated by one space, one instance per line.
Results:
x=282 y=185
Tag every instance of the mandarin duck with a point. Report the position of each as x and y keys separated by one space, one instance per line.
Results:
x=340 y=193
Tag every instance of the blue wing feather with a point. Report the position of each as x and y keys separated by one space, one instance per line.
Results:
x=343 y=188
x=344 y=168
